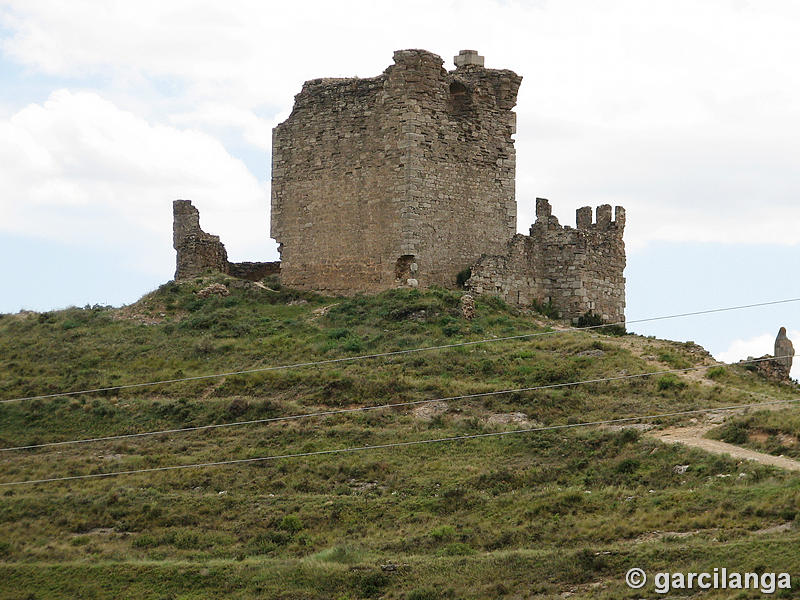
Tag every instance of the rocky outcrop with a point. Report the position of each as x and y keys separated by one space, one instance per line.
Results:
x=784 y=350
x=768 y=367
x=778 y=366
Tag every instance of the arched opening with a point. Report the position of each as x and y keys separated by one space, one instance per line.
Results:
x=459 y=97
x=402 y=268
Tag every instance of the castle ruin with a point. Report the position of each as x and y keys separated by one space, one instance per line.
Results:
x=407 y=179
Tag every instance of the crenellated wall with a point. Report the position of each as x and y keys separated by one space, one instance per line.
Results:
x=578 y=271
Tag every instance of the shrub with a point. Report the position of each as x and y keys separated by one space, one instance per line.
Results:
x=674 y=360
x=463 y=276
x=291 y=523
x=627 y=465
x=547 y=309
x=371 y=584
x=423 y=594
x=670 y=382
x=456 y=549
x=734 y=433
x=590 y=319
x=238 y=407
x=443 y=533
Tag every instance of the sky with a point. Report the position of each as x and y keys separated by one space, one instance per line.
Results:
x=685 y=113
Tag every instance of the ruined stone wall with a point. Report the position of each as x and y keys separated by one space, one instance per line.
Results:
x=408 y=175
x=254 y=271
x=335 y=183
x=578 y=271
x=198 y=252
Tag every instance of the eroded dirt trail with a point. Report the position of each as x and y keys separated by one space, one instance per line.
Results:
x=693 y=436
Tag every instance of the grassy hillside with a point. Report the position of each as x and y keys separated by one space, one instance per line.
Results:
x=528 y=515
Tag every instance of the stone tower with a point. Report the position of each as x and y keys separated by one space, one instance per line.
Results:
x=401 y=179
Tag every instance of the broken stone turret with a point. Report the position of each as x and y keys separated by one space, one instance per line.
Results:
x=199 y=252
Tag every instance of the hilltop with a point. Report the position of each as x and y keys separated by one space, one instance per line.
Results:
x=528 y=515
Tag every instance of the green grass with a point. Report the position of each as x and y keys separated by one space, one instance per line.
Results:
x=528 y=515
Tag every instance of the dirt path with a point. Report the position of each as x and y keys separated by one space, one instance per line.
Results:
x=693 y=436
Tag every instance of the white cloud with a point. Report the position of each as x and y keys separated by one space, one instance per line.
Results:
x=685 y=113
x=254 y=130
x=77 y=168
x=758 y=346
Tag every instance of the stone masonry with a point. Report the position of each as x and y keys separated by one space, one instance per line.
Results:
x=406 y=178
x=578 y=271
x=199 y=252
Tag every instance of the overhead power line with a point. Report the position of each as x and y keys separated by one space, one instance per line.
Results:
x=390 y=353
x=339 y=411
x=240 y=461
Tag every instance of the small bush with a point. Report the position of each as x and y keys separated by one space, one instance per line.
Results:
x=423 y=594
x=443 y=533
x=456 y=549
x=238 y=407
x=463 y=276
x=627 y=465
x=590 y=319
x=144 y=541
x=291 y=523
x=670 y=382
x=674 y=360
x=734 y=433
x=371 y=584
x=546 y=308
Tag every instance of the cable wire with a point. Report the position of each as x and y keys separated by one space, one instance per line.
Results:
x=390 y=353
x=376 y=407
x=472 y=436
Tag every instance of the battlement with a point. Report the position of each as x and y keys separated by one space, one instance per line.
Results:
x=577 y=271
x=583 y=218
